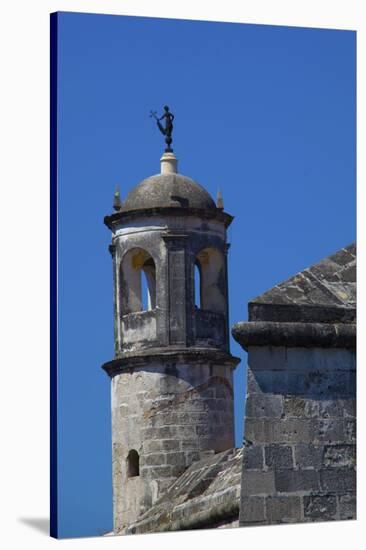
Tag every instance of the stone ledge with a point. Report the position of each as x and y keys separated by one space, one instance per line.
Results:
x=297 y=313
x=335 y=335
x=150 y=357
x=121 y=217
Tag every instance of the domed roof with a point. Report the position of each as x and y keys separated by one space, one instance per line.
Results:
x=168 y=190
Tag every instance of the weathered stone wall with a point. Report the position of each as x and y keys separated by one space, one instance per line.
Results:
x=300 y=436
x=171 y=414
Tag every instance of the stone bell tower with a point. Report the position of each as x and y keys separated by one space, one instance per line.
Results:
x=172 y=374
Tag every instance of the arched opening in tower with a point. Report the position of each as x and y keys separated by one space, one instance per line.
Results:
x=133 y=464
x=197 y=286
x=212 y=283
x=148 y=285
x=138 y=282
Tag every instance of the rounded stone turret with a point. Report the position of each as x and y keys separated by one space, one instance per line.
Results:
x=172 y=387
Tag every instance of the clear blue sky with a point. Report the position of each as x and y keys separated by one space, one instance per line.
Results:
x=265 y=113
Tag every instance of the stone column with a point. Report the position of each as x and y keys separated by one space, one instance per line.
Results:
x=177 y=282
x=168 y=163
x=116 y=299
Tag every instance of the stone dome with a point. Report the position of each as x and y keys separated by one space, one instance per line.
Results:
x=168 y=190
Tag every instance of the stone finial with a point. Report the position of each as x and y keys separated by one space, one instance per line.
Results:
x=117 y=199
x=219 y=200
x=168 y=163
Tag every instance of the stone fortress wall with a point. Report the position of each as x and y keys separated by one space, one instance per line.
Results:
x=299 y=461
x=299 y=449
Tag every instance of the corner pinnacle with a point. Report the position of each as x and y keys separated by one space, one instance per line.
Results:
x=117 y=199
x=219 y=200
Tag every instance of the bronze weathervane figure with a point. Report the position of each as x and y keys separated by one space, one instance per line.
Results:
x=167 y=131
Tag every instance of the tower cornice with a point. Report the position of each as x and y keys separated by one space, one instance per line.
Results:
x=117 y=218
x=164 y=355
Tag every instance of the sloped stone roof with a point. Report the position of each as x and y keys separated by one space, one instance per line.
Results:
x=330 y=282
x=316 y=307
x=324 y=292
x=207 y=494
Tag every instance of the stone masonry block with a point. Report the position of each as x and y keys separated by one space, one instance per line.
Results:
x=203 y=430
x=308 y=456
x=269 y=358
x=153 y=459
x=338 y=480
x=193 y=405
x=176 y=459
x=283 y=509
x=347 y=506
x=170 y=444
x=264 y=405
x=184 y=418
x=178 y=470
x=208 y=392
x=252 y=382
x=206 y=443
x=292 y=431
x=318 y=508
x=220 y=431
x=193 y=418
x=257 y=483
x=211 y=404
x=216 y=417
x=192 y=456
x=300 y=407
x=189 y=444
x=222 y=404
x=271 y=381
x=348 y=407
x=320 y=384
x=329 y=408
x=165 y=418
x=339 y=455
x=156 y=472
x=185 y=432
x=153 y=446
x=253 y=430
x=165 y=432
x=279 y=431
x=289 y=481
x=253 y=457
x=329 y=430
x=349 y=431
x=252 y=510
x=221 y=391
x=341 y=384
x=278 y=456
x=324 y=360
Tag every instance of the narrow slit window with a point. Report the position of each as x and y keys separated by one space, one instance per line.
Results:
x=133 y=464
